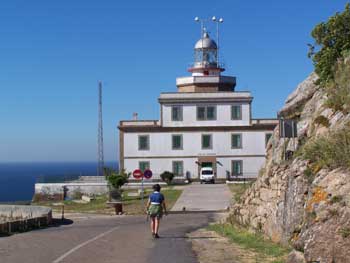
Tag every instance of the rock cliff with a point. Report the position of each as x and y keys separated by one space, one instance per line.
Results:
x=293 y=202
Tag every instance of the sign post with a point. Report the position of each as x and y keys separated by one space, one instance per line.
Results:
x=146 y=174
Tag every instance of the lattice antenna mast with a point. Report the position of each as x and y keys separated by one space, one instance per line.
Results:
x=100 y=155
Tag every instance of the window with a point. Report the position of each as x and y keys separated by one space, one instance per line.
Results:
x=178 y=168
x=267 y=138
x=201 y=113
x=206 y=113
x=176 y=142
x=176 y=113
x=211 y=113
x=144 y=166
x=236 y=141
x=237 y=168
x=207 y=141
x=143 y=142
x=236 y=112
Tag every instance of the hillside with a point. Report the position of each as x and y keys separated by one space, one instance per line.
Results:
x=305 y=201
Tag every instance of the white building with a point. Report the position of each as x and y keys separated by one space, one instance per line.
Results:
x=205 y=123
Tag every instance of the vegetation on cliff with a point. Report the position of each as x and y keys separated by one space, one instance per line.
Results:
x=329 y=151
x=332 y=39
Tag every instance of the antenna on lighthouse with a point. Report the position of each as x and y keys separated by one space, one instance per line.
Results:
x=100 y=155
x=217 y=21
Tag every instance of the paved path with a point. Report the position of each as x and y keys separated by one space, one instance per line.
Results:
x=105 y=239
x=204 y=197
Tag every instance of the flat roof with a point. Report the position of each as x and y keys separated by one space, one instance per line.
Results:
x=230 y=96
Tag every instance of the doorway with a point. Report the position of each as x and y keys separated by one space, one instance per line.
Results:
x=207 y=161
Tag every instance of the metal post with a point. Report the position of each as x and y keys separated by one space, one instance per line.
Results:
x=217 y=39
x=142 y=191
x=100 y=154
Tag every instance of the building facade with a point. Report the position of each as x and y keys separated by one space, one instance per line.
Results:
x=205 y=123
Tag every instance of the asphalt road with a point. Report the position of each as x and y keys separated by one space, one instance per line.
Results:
x=106 y=239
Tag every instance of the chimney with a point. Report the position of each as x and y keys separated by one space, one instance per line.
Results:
x=134 y=116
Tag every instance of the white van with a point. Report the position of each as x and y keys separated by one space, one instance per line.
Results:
x=206 y=174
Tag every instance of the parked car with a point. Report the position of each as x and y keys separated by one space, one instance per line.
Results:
x=207 y=175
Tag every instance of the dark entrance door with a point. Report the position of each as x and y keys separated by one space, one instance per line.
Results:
x=207 y=161
x=207 y=164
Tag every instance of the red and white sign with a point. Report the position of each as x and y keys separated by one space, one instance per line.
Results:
x=137 y=174
x=147 y=174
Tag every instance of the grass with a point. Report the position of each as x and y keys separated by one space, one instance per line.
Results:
x=131 y=204
x=331 y=150
x=95 y=206
x=338 y=91
x=250 y=241
x=238 y=190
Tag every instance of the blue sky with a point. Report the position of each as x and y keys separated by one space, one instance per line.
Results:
x=54 y=52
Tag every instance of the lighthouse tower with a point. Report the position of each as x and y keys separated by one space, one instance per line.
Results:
x=206 y=70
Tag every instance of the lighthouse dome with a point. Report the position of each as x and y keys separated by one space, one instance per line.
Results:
x=205 y=42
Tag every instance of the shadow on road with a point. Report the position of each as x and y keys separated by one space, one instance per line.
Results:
x=61 y=222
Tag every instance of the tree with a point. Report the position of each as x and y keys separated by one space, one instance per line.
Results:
x=167 y=177
x=116 y=181
x=332 y=40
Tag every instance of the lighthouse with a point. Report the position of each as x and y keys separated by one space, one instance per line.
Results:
x=206 y=122
x=206 y=72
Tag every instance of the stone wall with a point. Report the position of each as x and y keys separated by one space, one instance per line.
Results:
x=21 y=212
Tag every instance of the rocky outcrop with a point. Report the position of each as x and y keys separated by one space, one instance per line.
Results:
x=312 y=213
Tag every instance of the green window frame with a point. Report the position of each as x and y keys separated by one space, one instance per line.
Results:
x=178 y=168
x=144 y=165
x=207 y=141
x=206 y=113
x=176 y=113
x=267 y=138
x=236 y=112
x=201 y=113
x=211 y=113
x=237 y=167
x=236 y=140
x=143 y=141
x=176 y=142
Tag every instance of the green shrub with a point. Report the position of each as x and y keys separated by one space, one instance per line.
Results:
x=336 y=199
x=338 y=90
x=331 y=151
x=345 y=232
x=322 y=120
x=117 y=180
x=167 y=177
x=332 y=41
x=310 y=176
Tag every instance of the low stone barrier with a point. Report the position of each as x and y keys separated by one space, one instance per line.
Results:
x=19 y=218
x=56 y=191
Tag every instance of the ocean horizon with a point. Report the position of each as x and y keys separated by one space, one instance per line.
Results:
x=17 y=179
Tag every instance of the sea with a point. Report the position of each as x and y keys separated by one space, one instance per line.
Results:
x=17 y=180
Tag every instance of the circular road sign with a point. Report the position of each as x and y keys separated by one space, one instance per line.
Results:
x=137 y=174
x=147 y=174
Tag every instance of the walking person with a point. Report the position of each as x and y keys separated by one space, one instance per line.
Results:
x=155 y=208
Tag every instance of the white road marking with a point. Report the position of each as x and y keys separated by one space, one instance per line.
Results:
x=83 y=244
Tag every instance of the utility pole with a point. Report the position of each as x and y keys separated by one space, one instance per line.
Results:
x=100 y=157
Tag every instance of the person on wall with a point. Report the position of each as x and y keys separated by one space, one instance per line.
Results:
x=155 y=209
